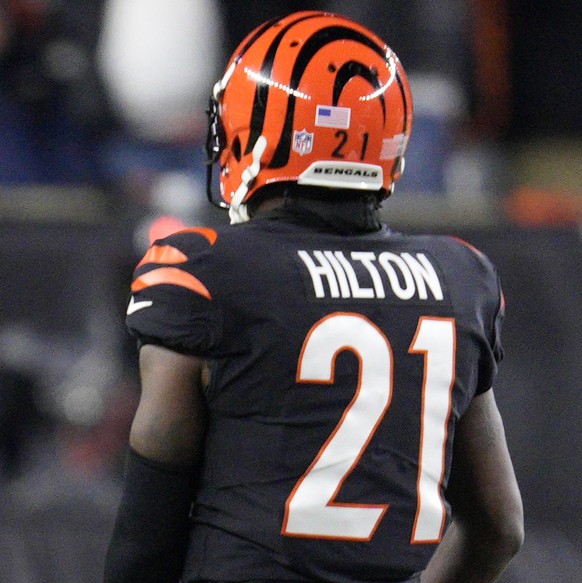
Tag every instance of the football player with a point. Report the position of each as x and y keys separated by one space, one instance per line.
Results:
x=317 y=399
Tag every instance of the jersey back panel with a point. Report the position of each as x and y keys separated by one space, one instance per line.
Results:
x=339 y=367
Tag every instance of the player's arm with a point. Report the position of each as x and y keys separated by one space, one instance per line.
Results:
x=150 y=536
x=487 y=528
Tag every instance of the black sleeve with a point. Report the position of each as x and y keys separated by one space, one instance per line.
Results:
x=150 y=535
x=178 y=319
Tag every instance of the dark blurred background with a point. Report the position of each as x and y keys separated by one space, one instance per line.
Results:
x=101 y=130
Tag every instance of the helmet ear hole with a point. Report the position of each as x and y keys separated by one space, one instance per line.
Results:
x=236 y=149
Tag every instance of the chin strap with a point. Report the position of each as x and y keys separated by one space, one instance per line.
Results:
x=238 y=212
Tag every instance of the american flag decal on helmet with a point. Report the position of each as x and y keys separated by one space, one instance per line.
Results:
x=333 y=117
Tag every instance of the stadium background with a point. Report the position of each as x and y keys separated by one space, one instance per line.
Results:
x=101 y=126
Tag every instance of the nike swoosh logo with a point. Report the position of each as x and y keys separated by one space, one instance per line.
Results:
x=135 y=306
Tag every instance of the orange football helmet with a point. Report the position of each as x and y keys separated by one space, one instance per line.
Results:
x=312 y=98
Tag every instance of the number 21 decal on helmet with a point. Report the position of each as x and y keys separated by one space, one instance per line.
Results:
x=312 y=98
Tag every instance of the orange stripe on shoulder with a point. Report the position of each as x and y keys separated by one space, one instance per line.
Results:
x=171 y=276
x=163 y=254
x=210 y=234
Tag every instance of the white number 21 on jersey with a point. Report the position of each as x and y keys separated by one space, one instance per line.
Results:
x=310 y=509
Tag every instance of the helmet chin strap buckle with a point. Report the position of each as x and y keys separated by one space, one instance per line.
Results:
x=238 y=211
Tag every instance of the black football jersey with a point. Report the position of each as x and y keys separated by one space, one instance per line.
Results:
x=339 y=368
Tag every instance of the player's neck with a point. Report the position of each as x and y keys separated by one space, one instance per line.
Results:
x=349 y=215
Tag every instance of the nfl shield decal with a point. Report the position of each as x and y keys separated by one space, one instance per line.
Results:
x=302 y=142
